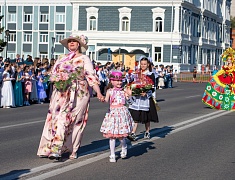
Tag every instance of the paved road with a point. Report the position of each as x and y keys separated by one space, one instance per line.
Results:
x=190 y=142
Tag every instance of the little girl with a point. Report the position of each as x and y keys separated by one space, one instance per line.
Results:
x=28 y=85
x=118 y=121
x=41 y=92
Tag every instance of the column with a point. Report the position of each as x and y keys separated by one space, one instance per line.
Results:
x=177 y=19
x=75 y=16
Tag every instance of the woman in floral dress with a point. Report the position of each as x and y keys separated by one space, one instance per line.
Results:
x=68 y=111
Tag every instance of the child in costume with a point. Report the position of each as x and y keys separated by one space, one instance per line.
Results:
x=220 y=90
x=143 y=107
x=118 y=122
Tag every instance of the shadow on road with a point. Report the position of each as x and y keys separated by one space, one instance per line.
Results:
x=14 y=174
x=158 y=132
x=160 y=100
x=140 y=149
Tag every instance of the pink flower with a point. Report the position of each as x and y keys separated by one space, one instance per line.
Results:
x=67 y=68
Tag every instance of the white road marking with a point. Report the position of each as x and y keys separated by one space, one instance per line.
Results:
x=21 y=124
x=193 y=96
x=175 y=128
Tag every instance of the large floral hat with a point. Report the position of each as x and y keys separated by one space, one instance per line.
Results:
x=230 y=52
x=83 y=40
x=116 y=76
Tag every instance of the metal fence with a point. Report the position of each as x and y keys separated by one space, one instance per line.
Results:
x=188 y=77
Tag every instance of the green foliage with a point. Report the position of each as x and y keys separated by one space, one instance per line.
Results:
x=232 y=22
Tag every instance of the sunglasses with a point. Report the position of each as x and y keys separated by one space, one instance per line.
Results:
x=72 y=40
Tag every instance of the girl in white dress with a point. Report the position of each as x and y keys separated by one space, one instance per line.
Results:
x=7 y=93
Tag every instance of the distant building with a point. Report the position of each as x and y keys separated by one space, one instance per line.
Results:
x=233 y=8
x=179 y=33
x=233 y=37
x=33 y=25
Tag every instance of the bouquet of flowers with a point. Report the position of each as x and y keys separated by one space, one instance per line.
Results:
x=141 y=84
x=64 y=77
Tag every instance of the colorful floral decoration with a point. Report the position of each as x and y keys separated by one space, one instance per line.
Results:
x=63 y=79
x=142 y=84
x=220 y=90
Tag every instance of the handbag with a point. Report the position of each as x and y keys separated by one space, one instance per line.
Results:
x=156 y=105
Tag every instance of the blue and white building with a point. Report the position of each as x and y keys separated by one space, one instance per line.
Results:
x=183 y=33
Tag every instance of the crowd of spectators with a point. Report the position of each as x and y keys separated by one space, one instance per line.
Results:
x=30 y=83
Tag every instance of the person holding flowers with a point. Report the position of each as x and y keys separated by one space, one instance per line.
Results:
x=142 y=107
x=67 y=116
x=220 y=90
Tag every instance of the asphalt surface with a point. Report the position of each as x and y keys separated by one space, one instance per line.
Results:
x=191 y=141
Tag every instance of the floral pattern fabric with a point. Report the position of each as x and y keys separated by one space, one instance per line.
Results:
x=220 y=92
x=68 y=111
x=118 y=122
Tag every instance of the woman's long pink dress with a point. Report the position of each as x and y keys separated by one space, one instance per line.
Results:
x=68 y=111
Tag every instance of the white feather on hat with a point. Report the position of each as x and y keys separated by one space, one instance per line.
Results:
x=83 y=40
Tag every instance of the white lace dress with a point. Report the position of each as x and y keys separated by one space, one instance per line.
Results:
x=7 y=93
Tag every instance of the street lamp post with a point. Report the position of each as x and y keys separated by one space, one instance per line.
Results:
x=53 y=47
x=7 y=35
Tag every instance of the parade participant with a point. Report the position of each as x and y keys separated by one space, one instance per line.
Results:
x=40 y=88
x=143 y=109
x=118 y=122
x=68 y=110
x=28 y=85
x=18 y=89
x=7 y=93
x=220 y=90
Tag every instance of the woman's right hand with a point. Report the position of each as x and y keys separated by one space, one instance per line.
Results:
x=100 y=97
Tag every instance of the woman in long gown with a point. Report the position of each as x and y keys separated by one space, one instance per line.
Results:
x=220 y=90
x=7 y=93
x=68 y=110
x=18 y=89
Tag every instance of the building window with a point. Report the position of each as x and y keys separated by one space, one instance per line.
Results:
x=158 y=54
x=27 y=37
x=125 y=18
x=28 y=17
x=43 y=37
x=92 y=23
x=125 y=24
x=43 y=55
x=12 y=37
x=92 y=18
x=56 y=56
x=158 y=19
x=11 y=17
x=60 y=18
x=11 y=55
x=44 y=17
x=158 y=22
x=59 y=36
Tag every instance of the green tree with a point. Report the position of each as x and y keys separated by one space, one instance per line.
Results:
x=2 y=42
x=232 y=22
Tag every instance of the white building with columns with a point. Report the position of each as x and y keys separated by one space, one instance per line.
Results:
x=182 y=33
